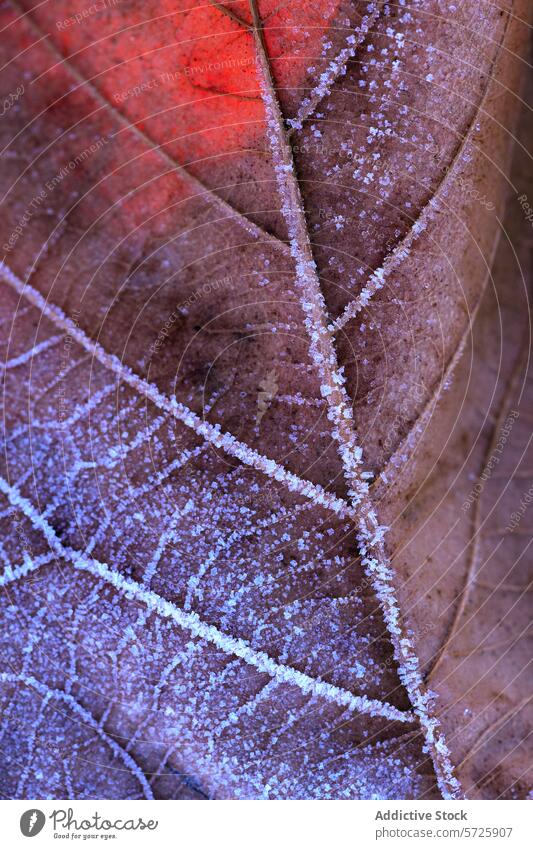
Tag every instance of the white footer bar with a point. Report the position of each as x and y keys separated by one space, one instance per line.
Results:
x=266 y=824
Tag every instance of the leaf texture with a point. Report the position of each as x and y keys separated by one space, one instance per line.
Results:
x=259 y=348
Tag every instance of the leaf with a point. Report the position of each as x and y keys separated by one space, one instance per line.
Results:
x=246 y=248
x=470 y=485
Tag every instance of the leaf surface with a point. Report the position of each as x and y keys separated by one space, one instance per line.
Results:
x=246 y=248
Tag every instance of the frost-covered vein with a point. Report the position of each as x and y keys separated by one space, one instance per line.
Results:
x=245 y=709
x=114 y=457
x=44 y=391
x=30 y=745
x=86 y=718
x=117 y=453
x=212 y=434
x=165 y=539
x=28 y=565
x=173 y=664
x=193 y=182
x=312 y=301
x=336 y=68
x=191 y=622
x=398 y=741
x=378 y=277
x=226 y=543
x=30 y=353
x=81 y=612
x=125 y=506
x=35 y=634
x=80 y=412
x=9 y=318
x=129 y=636
x=370 y=533
x=299 y=401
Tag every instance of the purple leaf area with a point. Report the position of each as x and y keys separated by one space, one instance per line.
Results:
x=266 y=400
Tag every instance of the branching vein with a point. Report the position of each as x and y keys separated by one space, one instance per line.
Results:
x=191 y=622
x=213 y=434
x=370 y=534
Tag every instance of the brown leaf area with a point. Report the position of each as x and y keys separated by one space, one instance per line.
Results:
x=266 y=383
x=464 y=565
